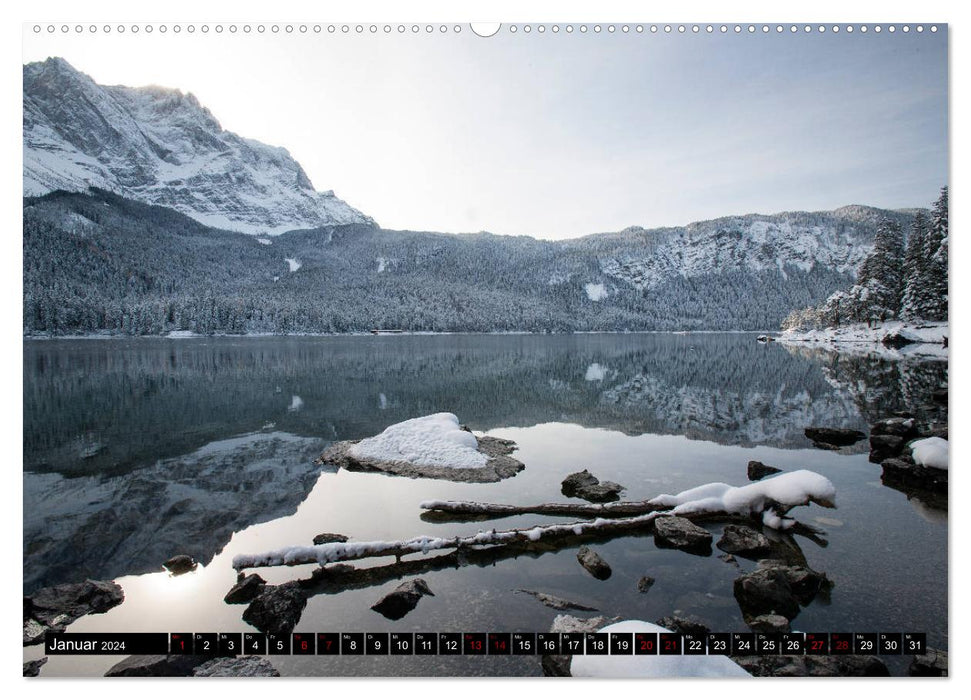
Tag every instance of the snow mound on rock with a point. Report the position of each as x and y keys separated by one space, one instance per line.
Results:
x=429 y=441
x=656 y=666
x=930 y=452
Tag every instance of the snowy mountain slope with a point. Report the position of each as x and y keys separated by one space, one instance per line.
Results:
x=160 y=146
x=837 y=240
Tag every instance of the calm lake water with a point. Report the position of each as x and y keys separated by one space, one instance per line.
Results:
x=137 y=450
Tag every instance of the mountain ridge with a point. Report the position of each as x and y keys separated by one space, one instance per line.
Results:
x=161 y=146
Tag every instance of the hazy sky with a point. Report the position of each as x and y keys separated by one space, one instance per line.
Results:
x=558 y=135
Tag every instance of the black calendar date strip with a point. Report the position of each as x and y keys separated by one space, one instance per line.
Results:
x=489 y=643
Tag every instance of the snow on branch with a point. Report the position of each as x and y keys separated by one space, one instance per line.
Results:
x=771 y=498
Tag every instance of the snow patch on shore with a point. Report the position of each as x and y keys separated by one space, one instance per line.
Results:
x=918 y=332
x=429 y=441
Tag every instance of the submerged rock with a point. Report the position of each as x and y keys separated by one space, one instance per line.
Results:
x=644 y=583
x=588 y=487
x=552 y=601
x=246 y=588
x=32 y=668
x=180 y=564
x=328 y=537
x=684 y=624
x=810 y=665
x=776 y=588
x=834 y=436
x=933 y=663
x=743 y=540
x=681 y=533
x=772 y=624
x=52 y=609
x=757 y=470
x=157 y=665
x=403 y=599
x=238 y=667
x=594 y=563
x=277 y=609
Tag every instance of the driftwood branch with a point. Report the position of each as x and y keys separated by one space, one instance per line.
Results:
x=444 y=510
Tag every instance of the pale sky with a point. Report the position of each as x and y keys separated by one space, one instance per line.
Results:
x=560 y=135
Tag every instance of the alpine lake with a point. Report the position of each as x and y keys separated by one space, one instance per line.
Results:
x=136 y=450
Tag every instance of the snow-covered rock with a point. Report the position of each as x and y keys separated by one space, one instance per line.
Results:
x=655 y=666
x=930 y=452
x=160 y=146
x=431 y=441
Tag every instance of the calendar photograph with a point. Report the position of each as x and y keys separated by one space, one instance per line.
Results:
x=612 y=350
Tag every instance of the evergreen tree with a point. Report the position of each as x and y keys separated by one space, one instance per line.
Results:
x=935 y=253
x=914 y=302
x=881 y=276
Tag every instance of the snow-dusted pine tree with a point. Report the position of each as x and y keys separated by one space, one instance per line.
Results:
x=914 y=304
x=881 y=276
x=935 y=252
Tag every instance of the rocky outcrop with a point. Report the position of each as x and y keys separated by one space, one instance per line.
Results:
x=593 y=563
x=403 y=599
x=52 y=609
x=770 y=624
x=684 y=624
x=277 y=609
x=585 y=485
x=498 y=467
x=680 y=533
x=839 y=437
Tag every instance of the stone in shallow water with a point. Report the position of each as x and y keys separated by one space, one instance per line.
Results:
x=743 y=540
x=328 y=537
x=594 y=563
x=403 y=599
x=681 y=533
x=645 y=583
x=552 y=601
x=240 y=667
x=247 y=588
x=771 y=624
x=684 y=624
x=585 y=485
x=757 y=470
x=277 y=609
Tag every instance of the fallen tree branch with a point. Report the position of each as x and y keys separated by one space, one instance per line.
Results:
x=619 y=509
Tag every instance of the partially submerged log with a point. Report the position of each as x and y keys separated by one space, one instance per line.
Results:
x=769 y=500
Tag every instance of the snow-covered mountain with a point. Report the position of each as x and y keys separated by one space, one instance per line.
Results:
x=838 y=240
x=160 y=146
